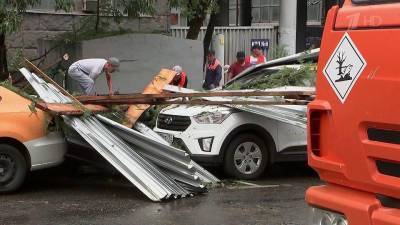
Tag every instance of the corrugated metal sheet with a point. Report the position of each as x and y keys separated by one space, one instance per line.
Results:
x=138 y=169
x=143 y=174
x=290 y=114
x=236 y=38
x=174 y=162
x=204 y=175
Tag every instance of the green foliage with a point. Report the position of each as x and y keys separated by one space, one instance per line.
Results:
x=278 y=52
x=149 y=117
x=10 y=12
x=16 y=61
x=32 y=107
x=195 y=8
x=304 y=76
x=135 y=8
x=10 y=19
x=64 y=5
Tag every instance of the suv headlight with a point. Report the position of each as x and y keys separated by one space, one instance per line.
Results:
x=324 y=217
x=216 y=117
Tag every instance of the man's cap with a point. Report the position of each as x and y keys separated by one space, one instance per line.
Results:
x=177 y=69
x=240 y=55
x=114 y=62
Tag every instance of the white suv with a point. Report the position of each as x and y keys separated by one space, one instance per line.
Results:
x=245 y=143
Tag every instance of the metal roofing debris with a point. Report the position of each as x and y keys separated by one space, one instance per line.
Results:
x=143 y=174
x=204 y=175
x=174 y=162
x=135 y=162
x=291 y=114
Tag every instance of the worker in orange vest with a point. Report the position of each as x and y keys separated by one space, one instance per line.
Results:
x=180 y=78
x=213 y=72
x=256 y=56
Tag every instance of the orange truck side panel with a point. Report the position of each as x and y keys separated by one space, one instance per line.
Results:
x=155 y=87
x=16 y=119
x=347 y=156
x=339 y=147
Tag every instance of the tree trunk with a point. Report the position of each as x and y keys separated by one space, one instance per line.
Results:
x=3 y=57
x=208 y=36
x=97 y=16
x=194 y=27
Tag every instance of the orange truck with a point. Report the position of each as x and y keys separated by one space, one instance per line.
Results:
x=354 y=122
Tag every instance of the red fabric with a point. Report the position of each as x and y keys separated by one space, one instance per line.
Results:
x=181 y=82
x=260 y=59
x=237 y=68
x=214 y=64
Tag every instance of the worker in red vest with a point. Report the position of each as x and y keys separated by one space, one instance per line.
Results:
x=256 y=56
x=180 y=78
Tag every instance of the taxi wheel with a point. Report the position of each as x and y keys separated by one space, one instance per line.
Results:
x=13 y=168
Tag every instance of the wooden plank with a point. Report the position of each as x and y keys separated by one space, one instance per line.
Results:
x=154 y=87
x=69 y=109
x=195 y=102
x=197 y=95
x=205 y=102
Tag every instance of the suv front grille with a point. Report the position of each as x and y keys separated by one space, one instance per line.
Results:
x=172 y=122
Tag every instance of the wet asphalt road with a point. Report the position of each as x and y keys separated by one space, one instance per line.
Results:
x=58 y=196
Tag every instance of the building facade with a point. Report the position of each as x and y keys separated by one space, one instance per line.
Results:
x=42 y=22
x=258 y=12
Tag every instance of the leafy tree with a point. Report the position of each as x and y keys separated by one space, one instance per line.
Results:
x=196 y=11
x=11 y=13
x=131 y=8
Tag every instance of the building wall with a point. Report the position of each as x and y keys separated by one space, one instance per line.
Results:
x=43 y=23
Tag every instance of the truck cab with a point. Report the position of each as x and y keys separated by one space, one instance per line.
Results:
x=354 y=121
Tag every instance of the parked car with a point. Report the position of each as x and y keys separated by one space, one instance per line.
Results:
x=243 y=142
x=25 y=143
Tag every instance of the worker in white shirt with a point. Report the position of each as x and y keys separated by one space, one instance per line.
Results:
x=86 y=71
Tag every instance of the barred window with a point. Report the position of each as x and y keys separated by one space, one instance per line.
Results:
x=233 y=7
x=314 y=10
x=265 y=11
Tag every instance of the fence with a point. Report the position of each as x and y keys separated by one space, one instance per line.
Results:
x=236 y=38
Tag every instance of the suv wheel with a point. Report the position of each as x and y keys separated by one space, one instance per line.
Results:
x=246 y=157
x=13 y=168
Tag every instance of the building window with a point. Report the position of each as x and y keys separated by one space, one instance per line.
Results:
x=234 y=6
x=265 y=11
x=314 y=11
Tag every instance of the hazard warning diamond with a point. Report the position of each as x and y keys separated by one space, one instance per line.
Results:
x=344 y=67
